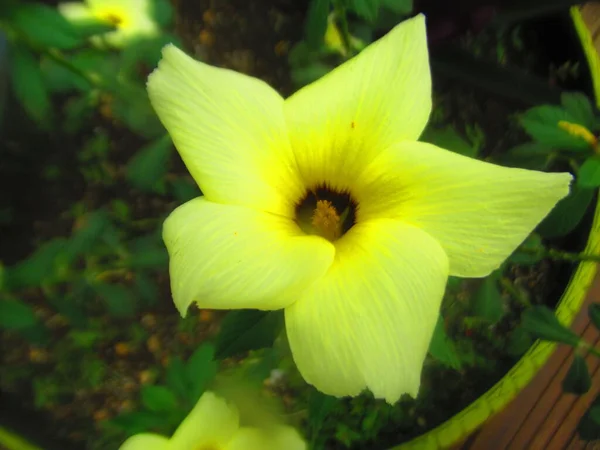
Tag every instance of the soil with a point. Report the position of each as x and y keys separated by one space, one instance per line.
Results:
x=252 y=37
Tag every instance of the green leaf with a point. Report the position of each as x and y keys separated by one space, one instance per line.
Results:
x=162 y=12
x=579 y=106
x=28 y=86
x=137 y=422
x=401 y=7
x=567 y=214
x=176 y=378
x=367 y=9
x=487 y=301
x=302 y=76
x=247 y=329
x=78 y=111
x=16 y=315
x=44 y=26
x=131 y=106
x=529 y=252
x=594 y=313
x=200 y=370
x=146 y=289
x=578 y=379
x=589 y=425
x=184 y=190
x=531 y=155
x=158 y=398
x=86 y=236
x=449 y=139
x=146 y=170
x=541 y=323
x=118 y=299
x=319 y=408
x=589 y=173
x=442 y=348
x=316 y=22
x=39 y=267
x=151 y=258
x=519 y=342
x=541 y=123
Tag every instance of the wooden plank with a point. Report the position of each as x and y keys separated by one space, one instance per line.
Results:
x=557 y=429
x=517 y=424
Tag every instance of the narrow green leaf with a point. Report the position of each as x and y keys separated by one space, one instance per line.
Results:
x=402 y=7
x=577 y=380
x=16 y=315
x=44 y=25
x=82 y=241
x=302 y=76
x=132 y=107
x=247 y=329
x=589 y=173
x=531 y=155
x=579 y=106
x=184 y=190
x=316 y=22
x=145 y=288
x=319 y=408
x=158 y=398
x=519 y=342
x=138 y=422
x=449 y=139
x=146 y=170
x=594 y=313
x=541 y=123
x=442 y=348
x=487 y=301
x=118 y=299
x=541 y=323
x=39 y=267
x=28 y=86
x=367 y=9
x=567 y=214
x=200 y=370
x=176 y=378
x=529 y=252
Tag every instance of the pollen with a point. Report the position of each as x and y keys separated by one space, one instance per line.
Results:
x=580 y=131
x=326 y=220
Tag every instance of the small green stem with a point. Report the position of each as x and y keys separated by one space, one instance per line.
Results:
x=56 y=55
x=515 y=293
x=558 y=255
x=594 y=351
x=340 y=13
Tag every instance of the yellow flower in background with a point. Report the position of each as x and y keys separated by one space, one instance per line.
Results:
x=326 y=205
x=213 y=424
x=132 y=19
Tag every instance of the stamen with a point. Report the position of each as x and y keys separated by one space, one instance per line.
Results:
x=326 y=221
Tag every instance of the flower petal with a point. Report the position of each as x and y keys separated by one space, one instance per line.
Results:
x=342 y=121
x=369 y=321
x=211 y=422
x=75 y=12
x=479 y=212
x=230 y=131
x=224 y=256
x=277 y=438
x=146 y=441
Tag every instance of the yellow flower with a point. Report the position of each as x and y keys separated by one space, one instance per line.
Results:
x=131 y=18
x=213 y=424
x=326 y=205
